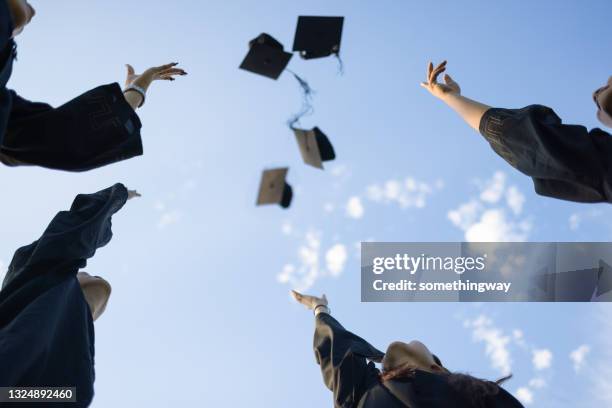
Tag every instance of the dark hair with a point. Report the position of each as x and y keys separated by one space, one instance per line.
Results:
x=476 y=391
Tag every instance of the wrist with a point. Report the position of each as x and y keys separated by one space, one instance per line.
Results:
x=447 y=96
x=138 y=91
x=321 y=308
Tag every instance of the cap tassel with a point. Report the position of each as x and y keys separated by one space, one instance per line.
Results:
x=340 y=64
x=307 y=108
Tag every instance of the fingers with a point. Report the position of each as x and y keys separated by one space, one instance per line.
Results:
x=169 y=74
x=297 y=296
x=448 y=80
x=433 y=76
x=133 y=194
x=173 y=71
x=165 y=67
x=130 y=69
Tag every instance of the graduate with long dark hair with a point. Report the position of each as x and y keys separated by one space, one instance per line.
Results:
x=48 y=305
x=411 y=375
x=94 y=129
x=568 y=162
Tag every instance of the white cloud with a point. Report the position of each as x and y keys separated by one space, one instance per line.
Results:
x=335 y=259
x=574 y=221
x=307 y=270
x=329 y=207
x=579 y=355
x=488 y=218
x=354 y=208
x=542 y=359
x=466 y=215
x=524 y=395
x=287 y=228
x=407 y=193
x=340 y=170
x=494 y=188
x=515 y=199
x=494 y=226
x=537 y=383
x=496 y=342
x=169 y=218
x=601 y=374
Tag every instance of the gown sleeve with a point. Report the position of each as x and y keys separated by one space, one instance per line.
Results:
x=95 y=129
x=343 y=359
x=71 y=238
x=567 y=162
x=7 y=55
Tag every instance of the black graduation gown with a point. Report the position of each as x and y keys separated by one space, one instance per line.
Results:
x=7 y=55
x=355 y=381
x=94 y=129
x=46 y=327
x=567 y=162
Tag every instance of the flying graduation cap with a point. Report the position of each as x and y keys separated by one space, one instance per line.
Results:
x=274 y=188
x=266 y=57
x=318 y=37
x=314 y=146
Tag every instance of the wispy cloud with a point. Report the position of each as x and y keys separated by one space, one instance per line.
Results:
x=498 y=345
x=601 y=372
x=576 y=219
x=287 y=228
x=490 y=217
x=541 y=359
x=335 y=259
x=578 y=356
x=309 y=267
x=168 y=218
x=495 y=340
x=354 y=208
x=524 y=395
x=406 y=193
x=169 y=212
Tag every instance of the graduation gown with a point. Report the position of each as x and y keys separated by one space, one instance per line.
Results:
x=46 y=327
x=355 y=381
x=92 y=130
x=567 y=162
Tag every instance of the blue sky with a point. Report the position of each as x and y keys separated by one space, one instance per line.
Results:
x=200 y=302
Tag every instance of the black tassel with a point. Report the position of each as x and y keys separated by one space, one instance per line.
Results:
x=307 y=108
x=340 y=64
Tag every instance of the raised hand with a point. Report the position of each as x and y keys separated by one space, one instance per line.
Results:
x=437 y=89
x=133 y=194
x=310 y=302
x=166 y=72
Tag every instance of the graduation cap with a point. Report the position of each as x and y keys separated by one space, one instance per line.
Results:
x=266 y=57
x=274 y=189
x=315 y=147
x=317 y=37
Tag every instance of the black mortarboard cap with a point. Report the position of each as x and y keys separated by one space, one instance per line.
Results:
x=274 y=189
x=266 y=57
x=315 y=147
x=317 y=37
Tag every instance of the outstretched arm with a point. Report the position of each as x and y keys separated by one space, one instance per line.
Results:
x=341 y=354
x=450 y=93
